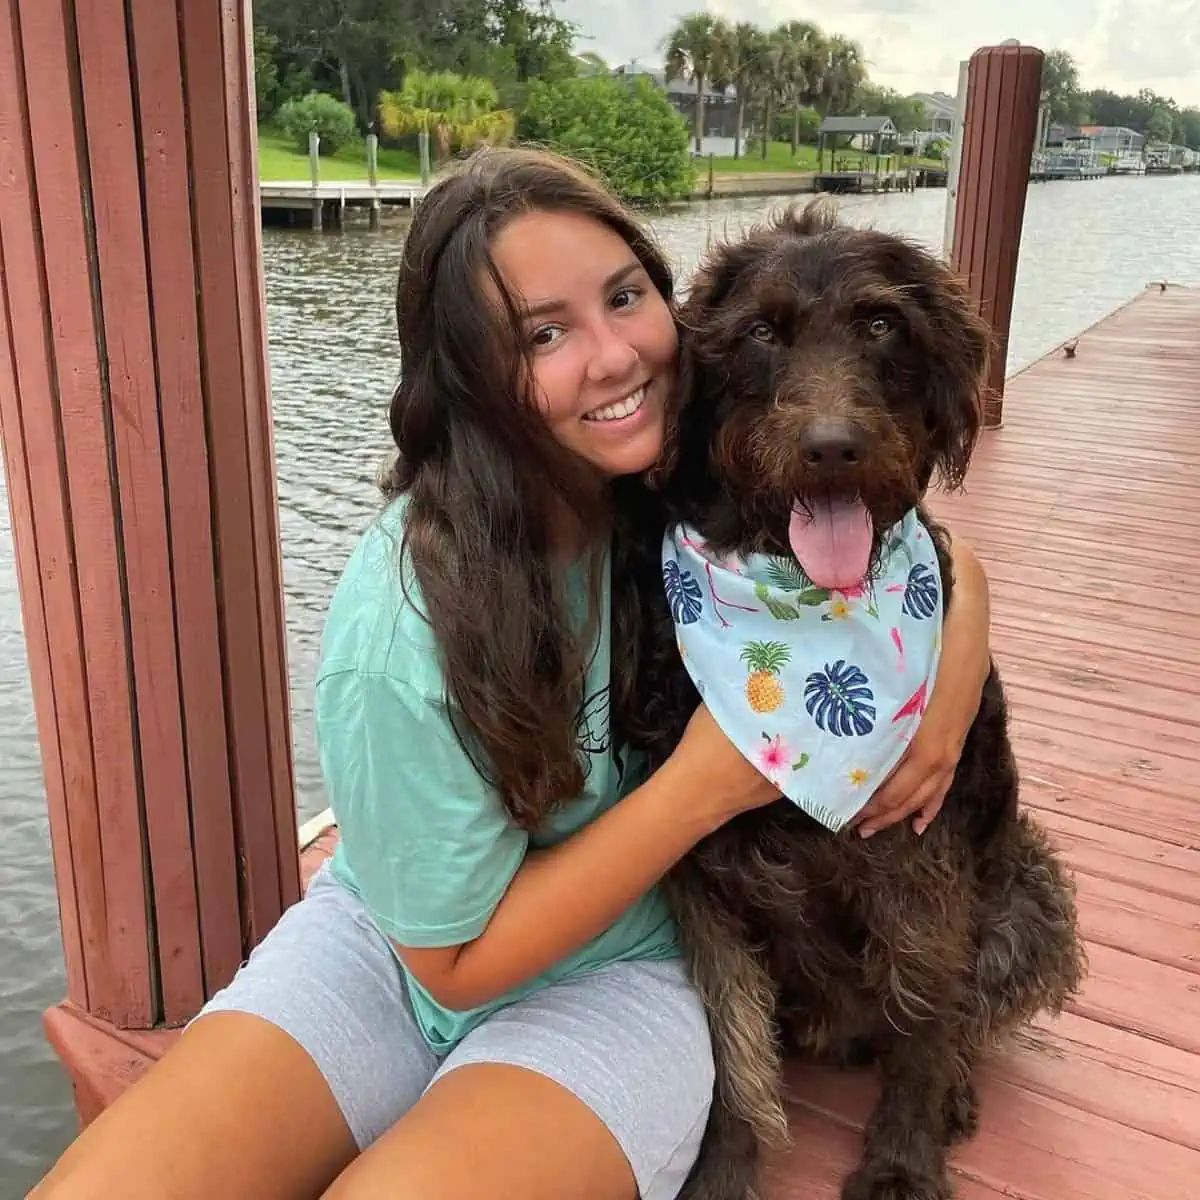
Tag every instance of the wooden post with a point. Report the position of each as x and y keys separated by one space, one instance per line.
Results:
x=954 y=158
x=314 y=171
x=373 y=176
x=423 y=151
x=136 y=423
x=1003 y=94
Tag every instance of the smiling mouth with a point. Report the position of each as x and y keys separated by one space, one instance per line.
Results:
x=620 y=410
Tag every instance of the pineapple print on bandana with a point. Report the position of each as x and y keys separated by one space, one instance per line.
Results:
x=821 y=690
x=764 y=692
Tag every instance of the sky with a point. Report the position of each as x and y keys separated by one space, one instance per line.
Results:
x=916 y=45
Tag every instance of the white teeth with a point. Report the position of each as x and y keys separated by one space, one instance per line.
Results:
x=614 y=412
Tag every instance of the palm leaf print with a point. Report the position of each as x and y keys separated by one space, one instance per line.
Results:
x=920 y=593
x=683 y=593
x=787 y=575
x=840 y=700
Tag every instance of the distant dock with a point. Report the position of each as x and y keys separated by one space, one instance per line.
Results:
x=302 y=203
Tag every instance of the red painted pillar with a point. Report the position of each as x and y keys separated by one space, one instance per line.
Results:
x=135 y=416
x=1003 y=94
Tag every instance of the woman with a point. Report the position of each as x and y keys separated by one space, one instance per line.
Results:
x=482 y=993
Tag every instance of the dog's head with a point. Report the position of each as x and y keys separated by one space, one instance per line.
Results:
x=828 y=373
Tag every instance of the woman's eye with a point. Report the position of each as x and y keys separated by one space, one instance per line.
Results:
x=625 y=297
x=760 y=331
x=879 y=327
x=546 y=336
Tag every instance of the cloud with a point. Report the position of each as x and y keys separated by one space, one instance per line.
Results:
x=916 y=45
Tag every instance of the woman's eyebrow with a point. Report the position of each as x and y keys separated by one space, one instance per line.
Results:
x=542 y=307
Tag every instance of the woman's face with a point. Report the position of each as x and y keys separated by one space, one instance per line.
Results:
x=601 y=339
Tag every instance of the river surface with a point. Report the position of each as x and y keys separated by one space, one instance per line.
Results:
x=1087 y=247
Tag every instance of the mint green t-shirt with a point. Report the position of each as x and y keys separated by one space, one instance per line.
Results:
x=424 y=840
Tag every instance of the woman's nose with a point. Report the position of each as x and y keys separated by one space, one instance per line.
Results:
x=613 y=355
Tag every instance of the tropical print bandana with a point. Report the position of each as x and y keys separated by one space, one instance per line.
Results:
x=820 y=689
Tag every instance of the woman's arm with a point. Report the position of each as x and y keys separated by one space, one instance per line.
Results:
x=449 y=877
x=563 y=897
x=923 y=776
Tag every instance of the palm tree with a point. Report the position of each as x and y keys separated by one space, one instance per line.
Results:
x=805 y=57
x=845 y=72
x=697 y=50
x=747 y=48
x=767 y=82
x=456 y=111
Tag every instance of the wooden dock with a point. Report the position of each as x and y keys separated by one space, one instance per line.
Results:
x=1080 y=507
x=300 y=202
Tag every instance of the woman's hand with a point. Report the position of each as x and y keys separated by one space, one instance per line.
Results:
x=710 y=768
x=919 y=782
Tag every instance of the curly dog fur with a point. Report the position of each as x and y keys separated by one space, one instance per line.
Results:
x=911 y=952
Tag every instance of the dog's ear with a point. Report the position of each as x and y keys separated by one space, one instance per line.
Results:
x=958 y=375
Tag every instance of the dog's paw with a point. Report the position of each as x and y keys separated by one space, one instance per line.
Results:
x=896 y=1181
x=962 y=1113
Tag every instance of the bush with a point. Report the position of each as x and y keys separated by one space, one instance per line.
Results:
x=332 y=119
x=810 y=122
x=625 y=129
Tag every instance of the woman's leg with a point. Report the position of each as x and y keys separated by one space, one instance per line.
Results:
x=309 y=1055
x=596 y=1089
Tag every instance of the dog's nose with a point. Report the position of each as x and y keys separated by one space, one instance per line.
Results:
x=831 y=442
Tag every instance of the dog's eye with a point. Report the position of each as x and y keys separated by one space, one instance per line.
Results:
x=760 y=331
x=879 y=327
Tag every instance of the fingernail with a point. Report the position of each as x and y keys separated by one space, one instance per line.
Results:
x=866 y=831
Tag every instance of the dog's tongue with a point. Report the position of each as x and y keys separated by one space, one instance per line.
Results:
x=831 y=540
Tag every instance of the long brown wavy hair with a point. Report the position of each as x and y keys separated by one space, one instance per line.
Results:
x=487 y=485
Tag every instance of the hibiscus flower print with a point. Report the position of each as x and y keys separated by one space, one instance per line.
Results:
x=774 y=758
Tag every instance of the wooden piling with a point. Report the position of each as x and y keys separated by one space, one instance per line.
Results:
x=314 y=170
x=1003 y=94
x=373 y=177
x=135 y=419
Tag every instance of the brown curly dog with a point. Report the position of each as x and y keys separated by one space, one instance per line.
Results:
x=822 y=362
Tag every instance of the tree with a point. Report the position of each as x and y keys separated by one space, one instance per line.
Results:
x=625 y=129
x=746 y=50
x=1189 y=127
x=907 y=113
x=804 y=61
x=356 y=46
x=768 y=83
x=457 y=111
x=1060 y=89
x=266 y=72
x=697 y=50
x=843 y=74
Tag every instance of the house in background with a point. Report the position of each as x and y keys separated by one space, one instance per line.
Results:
x=939 y=109
x=1114 y=139
x=720 y=106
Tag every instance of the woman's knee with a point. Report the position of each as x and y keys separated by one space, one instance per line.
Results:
x=235 y=1109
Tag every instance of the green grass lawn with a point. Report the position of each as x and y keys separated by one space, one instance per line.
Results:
x=779 y=159
x=278 y=159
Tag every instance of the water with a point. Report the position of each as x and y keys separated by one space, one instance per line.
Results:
x=1087 y=248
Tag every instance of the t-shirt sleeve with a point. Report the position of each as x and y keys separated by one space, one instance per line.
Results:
x=429 y=843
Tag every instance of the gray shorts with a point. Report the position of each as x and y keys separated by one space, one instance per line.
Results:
x=631 y=1040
